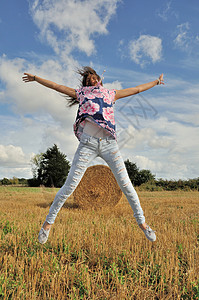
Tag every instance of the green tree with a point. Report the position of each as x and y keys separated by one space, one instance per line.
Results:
x=51 y=168
x=5 y=181
x=145 y=176
x=138 y=177
x=133 y=172
x=23 y=181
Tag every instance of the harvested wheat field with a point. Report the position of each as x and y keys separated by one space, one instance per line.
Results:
x=98 y=188
x=98 y=254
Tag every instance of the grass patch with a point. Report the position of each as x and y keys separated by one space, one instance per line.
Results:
x=98 y=255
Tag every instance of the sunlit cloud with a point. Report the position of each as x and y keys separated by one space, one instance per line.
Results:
x=70 y=24
x=146 y=49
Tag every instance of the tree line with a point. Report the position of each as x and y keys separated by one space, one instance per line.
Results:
x=51 y=169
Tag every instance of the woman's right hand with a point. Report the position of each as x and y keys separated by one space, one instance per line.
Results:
x=28 y=77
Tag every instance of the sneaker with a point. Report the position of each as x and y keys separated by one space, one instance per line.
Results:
x=149 y=233
x=43 y=235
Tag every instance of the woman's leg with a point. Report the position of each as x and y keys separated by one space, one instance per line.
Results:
x=111 y=154
x=85 y=153
x=83 y=156
x=116 y=163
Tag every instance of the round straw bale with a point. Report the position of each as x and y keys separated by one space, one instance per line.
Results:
x=98 y=188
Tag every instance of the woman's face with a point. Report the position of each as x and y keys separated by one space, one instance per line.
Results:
x=91 y=80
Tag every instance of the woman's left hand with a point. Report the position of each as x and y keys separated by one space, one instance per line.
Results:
x=161 y=79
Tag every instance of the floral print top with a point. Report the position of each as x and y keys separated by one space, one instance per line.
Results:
x=95 y=102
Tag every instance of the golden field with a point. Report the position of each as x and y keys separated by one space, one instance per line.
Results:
x=98 y=254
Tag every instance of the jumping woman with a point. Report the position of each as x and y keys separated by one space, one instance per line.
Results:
x=95 y=129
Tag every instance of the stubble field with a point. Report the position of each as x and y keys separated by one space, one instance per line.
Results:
x=98 y=254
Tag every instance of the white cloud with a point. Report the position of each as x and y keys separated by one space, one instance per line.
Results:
x=15 y=172
x=13 y=156
x=30 y=98
x=148 y=136
x=113 y=85
x=186 y=41
x=173 y=167
x=165 y=12
x=70 y=24
x=167 y=145
x=145 y=163
x=34 y=135
x=146 y=48
x=183 y=38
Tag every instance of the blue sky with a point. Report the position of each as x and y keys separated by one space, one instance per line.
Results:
x=135 y=41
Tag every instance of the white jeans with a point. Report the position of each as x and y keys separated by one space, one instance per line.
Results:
x=89 y=148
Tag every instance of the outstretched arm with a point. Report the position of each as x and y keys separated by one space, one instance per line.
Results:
x=50 y=84
x=138 y=89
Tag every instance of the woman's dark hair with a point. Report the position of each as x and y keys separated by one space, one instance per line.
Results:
x=84 y=72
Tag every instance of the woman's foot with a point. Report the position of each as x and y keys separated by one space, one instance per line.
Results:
x=44 y=233
x=149 y=233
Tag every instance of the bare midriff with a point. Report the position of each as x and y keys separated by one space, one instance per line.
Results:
x=95 y=130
